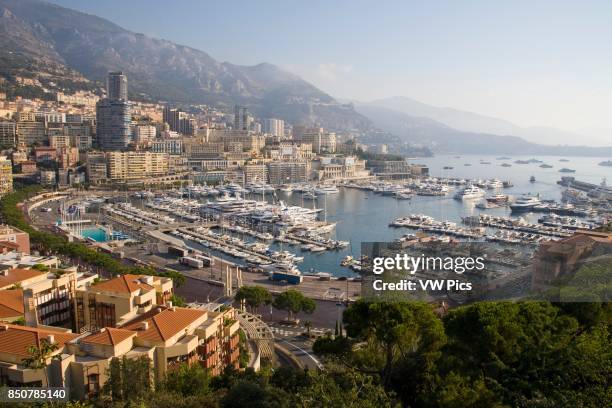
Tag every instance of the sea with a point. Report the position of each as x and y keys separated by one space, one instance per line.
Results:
x=363 y=216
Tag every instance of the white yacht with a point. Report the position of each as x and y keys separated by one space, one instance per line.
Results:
x=470 y=192
x=326 y=190
x=525 y=203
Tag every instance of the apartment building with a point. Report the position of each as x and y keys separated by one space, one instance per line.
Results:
x=136 y=165
x=31 y=133
x=8 y=133
x=169 y=336
x=119 y=300
x=255 y=173
x=97 y=167
x=15 y=236
x=288 y=172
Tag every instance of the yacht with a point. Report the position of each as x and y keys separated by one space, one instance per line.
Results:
x=525 y=203
x=469 y=192
x=498 y=199
x=495 y=184
x=326 y=190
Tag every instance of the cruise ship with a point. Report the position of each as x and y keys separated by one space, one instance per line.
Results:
x=469 y=192
x=525 y=203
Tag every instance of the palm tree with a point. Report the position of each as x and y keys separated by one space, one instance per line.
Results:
x=39 y=356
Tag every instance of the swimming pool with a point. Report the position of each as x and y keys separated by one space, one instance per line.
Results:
x=97 y=234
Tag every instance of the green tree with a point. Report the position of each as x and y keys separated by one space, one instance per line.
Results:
x=294 y=302
x=400 y=340
x=247 y=394
x=130 y=379
x=338 y=387
x=39 y=356
x=254 y=296
x=188 y=380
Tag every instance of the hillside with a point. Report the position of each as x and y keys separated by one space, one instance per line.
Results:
x=42 y=34
x=445 y=139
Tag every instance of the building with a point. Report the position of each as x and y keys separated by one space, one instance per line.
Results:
x=47 y=177
x=169 y=336
x=340 y=168
x=169 y=146
x=119 y=300
x=8 y=133
x=113 y=124
x=392 y=169
x=67 y=157
x=113 y=114
x=117 y=86
x=242 y=120
x=6 y=175
x=15 y=341
x=31 y=133
x=97 y=167
x=15 y=236
x=275 y=127
x=144 y=134
x=48 y=292
x=288 y=172
x=255 y=173
x=180 y=122
x=559 y=259
x=136 y=165
x=321 y=141
x=250 y=143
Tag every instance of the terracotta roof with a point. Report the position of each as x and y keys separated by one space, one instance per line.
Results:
x=9 y=277
x=109 y=336
x=11 y=303
x=16 y=339
x=164 y=324
x=123 y=284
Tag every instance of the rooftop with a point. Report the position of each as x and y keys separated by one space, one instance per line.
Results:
x=11 y=303
x=109 y=336
x=161 y=325
x=9 y=277
x=16 y=339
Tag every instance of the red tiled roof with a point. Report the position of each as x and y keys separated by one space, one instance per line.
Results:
x=109 y=336
x=11 y=303
x=10 y=277
x=123 y=284
x=17 y=339
x=164 y=324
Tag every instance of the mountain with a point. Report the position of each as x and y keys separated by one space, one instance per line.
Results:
x=37 y=34
x=445 y=139
x=474 y=122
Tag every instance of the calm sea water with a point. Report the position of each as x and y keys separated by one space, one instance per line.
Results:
x=364 y=216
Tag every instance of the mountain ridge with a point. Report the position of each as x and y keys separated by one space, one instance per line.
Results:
x=160 y=69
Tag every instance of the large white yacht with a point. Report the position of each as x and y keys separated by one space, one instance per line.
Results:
x=525 y=203
x=470 y=192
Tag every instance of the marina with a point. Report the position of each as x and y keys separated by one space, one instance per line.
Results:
x=318 y=228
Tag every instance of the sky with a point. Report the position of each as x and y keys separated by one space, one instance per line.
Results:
x=534 y=63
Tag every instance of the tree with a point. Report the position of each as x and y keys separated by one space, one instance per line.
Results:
x=39 y=356
x=254 y=296
x=188 y=380
x=396 y=334
x=294 y=302
x=339 y=387
x=129 y=379
x=308 y=326
x=249 y=394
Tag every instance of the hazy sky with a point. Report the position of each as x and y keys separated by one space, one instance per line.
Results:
x=545 y=63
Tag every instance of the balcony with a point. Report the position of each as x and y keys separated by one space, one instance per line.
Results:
x=230 y=327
